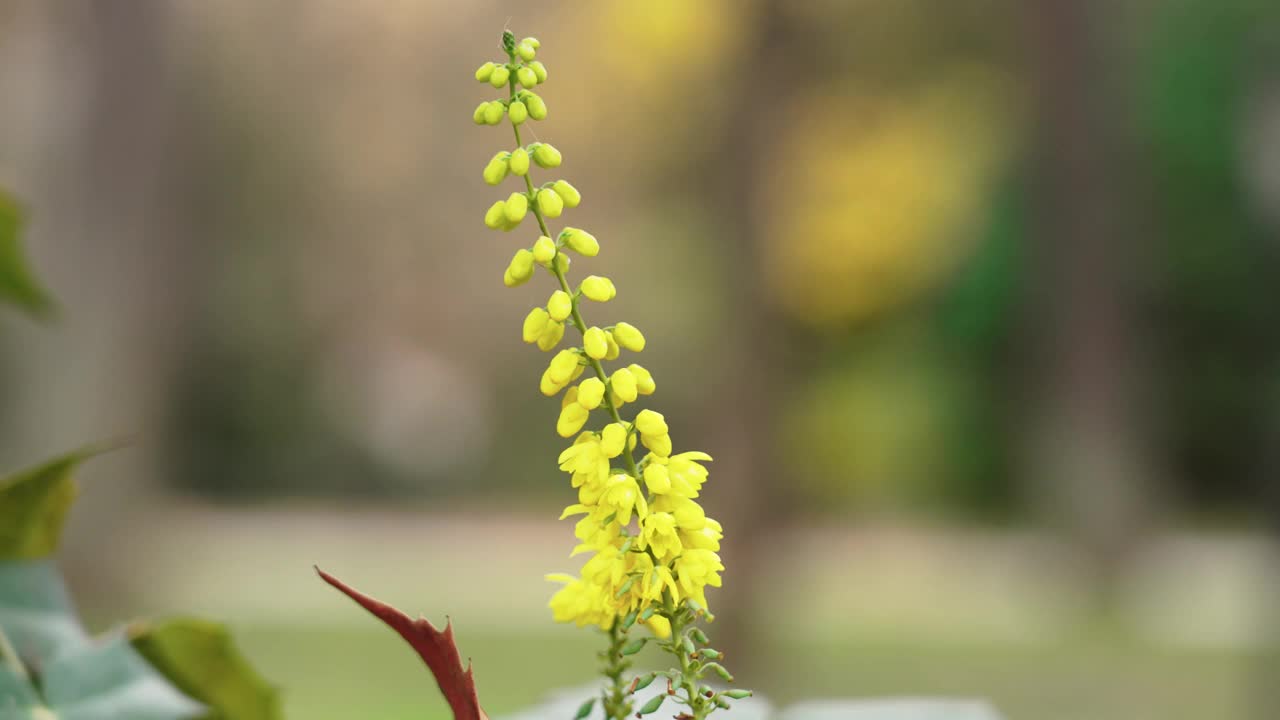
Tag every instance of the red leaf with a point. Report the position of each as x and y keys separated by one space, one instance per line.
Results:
x=436 y=649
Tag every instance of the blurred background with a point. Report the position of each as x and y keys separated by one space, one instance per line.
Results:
x=974 y=303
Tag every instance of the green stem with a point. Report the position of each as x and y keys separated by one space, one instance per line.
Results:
x=699 y=706
x=616 y=705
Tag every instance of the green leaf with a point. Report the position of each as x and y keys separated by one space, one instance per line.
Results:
x=201 y=659
x=111 y=681
x=18 y=699
x=34 y=505
x=36 y=613
x=17 y=284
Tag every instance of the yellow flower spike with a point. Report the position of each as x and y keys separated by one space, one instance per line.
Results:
x=534 y=323
x=615 y=351
x=495 y=216
x=485 y=71
x=521 y=267
x=580 y=241
x=659 y=445
x=519 y=112
x=499 y=76
x=517 y=206
x=657 y=479
x=537 y=107
x=519 y=162
x=624 y=384
x=532 y=42
x=545 y=155
x=548 y=386
x=568 y=193
x=560 y=306
x=649 y=422
x=572 y=418
x=644 y=380
x=628 y=336
x=550 y=336
x=563 y=365
x=496 y=170
x=612 y=439
x=539 y=70
x=478 y=115
x=569 y=397
x=526 y=51
x=549 y=203
x=527 y=77
x=591 y=393
x=594 y=343
x=598 y=288
x=544 y=250
x=493 y=112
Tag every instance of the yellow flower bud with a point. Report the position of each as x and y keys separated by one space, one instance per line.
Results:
x=546 y=156
x=517 y=206
x=495 y=216
x=493 y=112
x=659 y=445
x=580 y=241
x=614 y=350
x=518 y=112
x=537 y=108
x=532 y=42
x=550 y=336
x=572 y=418
x=612 y=439
x=644 y=380
x=519 y=161
x=568 y=193
x=527 y=76
x=485 y=71
x=569 y=397
x=594 y=343
x=496 y=170
x=526 y=51
x=560 y=306
x=562 y=262
x=563 y=365
x=591 y=393
x=657 y=478
x=478 y=115
x=544 y=250
x=547 y=386
x=549 y=203
x=628 y=336
x=534 y=323
x=624 y=384
x=499 y=76
x=649 y=422
x=521 y=267
x=659 y=626
x=539 y=70
x=598 y=288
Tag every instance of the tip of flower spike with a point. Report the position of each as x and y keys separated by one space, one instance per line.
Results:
x=508 y=41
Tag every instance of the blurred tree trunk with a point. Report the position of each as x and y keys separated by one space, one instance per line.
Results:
x=1087 y=467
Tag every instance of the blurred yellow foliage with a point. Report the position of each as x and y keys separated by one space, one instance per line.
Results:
x=873 y=196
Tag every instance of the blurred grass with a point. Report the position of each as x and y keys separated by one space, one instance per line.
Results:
x=346 y=673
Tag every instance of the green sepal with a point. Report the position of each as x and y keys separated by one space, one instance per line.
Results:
x=645 y=681
x=652 y=706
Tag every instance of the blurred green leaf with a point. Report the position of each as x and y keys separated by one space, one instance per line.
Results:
x=34 y=504
x=17 y=698
x=17 y=284
x=200 y=658
x=36 y=613
x=111 y=681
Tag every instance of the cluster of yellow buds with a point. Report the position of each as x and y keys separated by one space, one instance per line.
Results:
x=652 y=548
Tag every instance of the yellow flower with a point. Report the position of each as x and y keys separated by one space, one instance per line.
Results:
x=518 y=163
x=614 y=350
x=493 y=112
x=572 y=417
x=659 y=626
x=516 y=207
x=697 y=569
x=598 y=288
x=537 y=108
x=495 y=216
x=568 y=193
x=499 y=75
x=497 y=168
x=708 y=537
x=649 y=422
x=562 y=366
x=624 y=384
x=527 y=77
x=546 y=156
x=688 y=513
x=520 y=269
x=518 y=112
x=593 y=341
x=549 y=203
x=644 y=379
x=660 y=536
x=659 y=445
x=613 y=438
x=544 y=249
x=485 y=71
x=628 y=336
x=534 y=323
x=624 y=497
x=580 y=241
x=560 y=306
x=539 y=70
x=550 y=336
x=591 y=393
x=657 y=479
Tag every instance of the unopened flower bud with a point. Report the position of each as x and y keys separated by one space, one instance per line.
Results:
x=659 y=445
x=569 y=397
x=547 y=386
x=518 y=112
x=657 y=478
x=580 y=241
x=623 y=384
x=521 y=267
x=519 y=161
x=527 y=76
x=537 y=108
x=478 y=115
x=628 y=336
x=532 y=42
x=568 y=193
x=598 y=288
x=545 y=155
x=544 y=250
x=485 y=71
x=550 y=336
x=563 y=365
x=495 y=216
x=517 y=206
x=644 y=380
x=549 y=203
x=534 y=323
x=526 y=51
x=572 y=418
x=649 y=422
x=496 y=170
x=562 y=262
x=591 y=393
x=560 y=306
x=614 y=350
x=499 y=76
x=493 y=112
x=612 y=439
x=539 y=70
x=594 y=343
